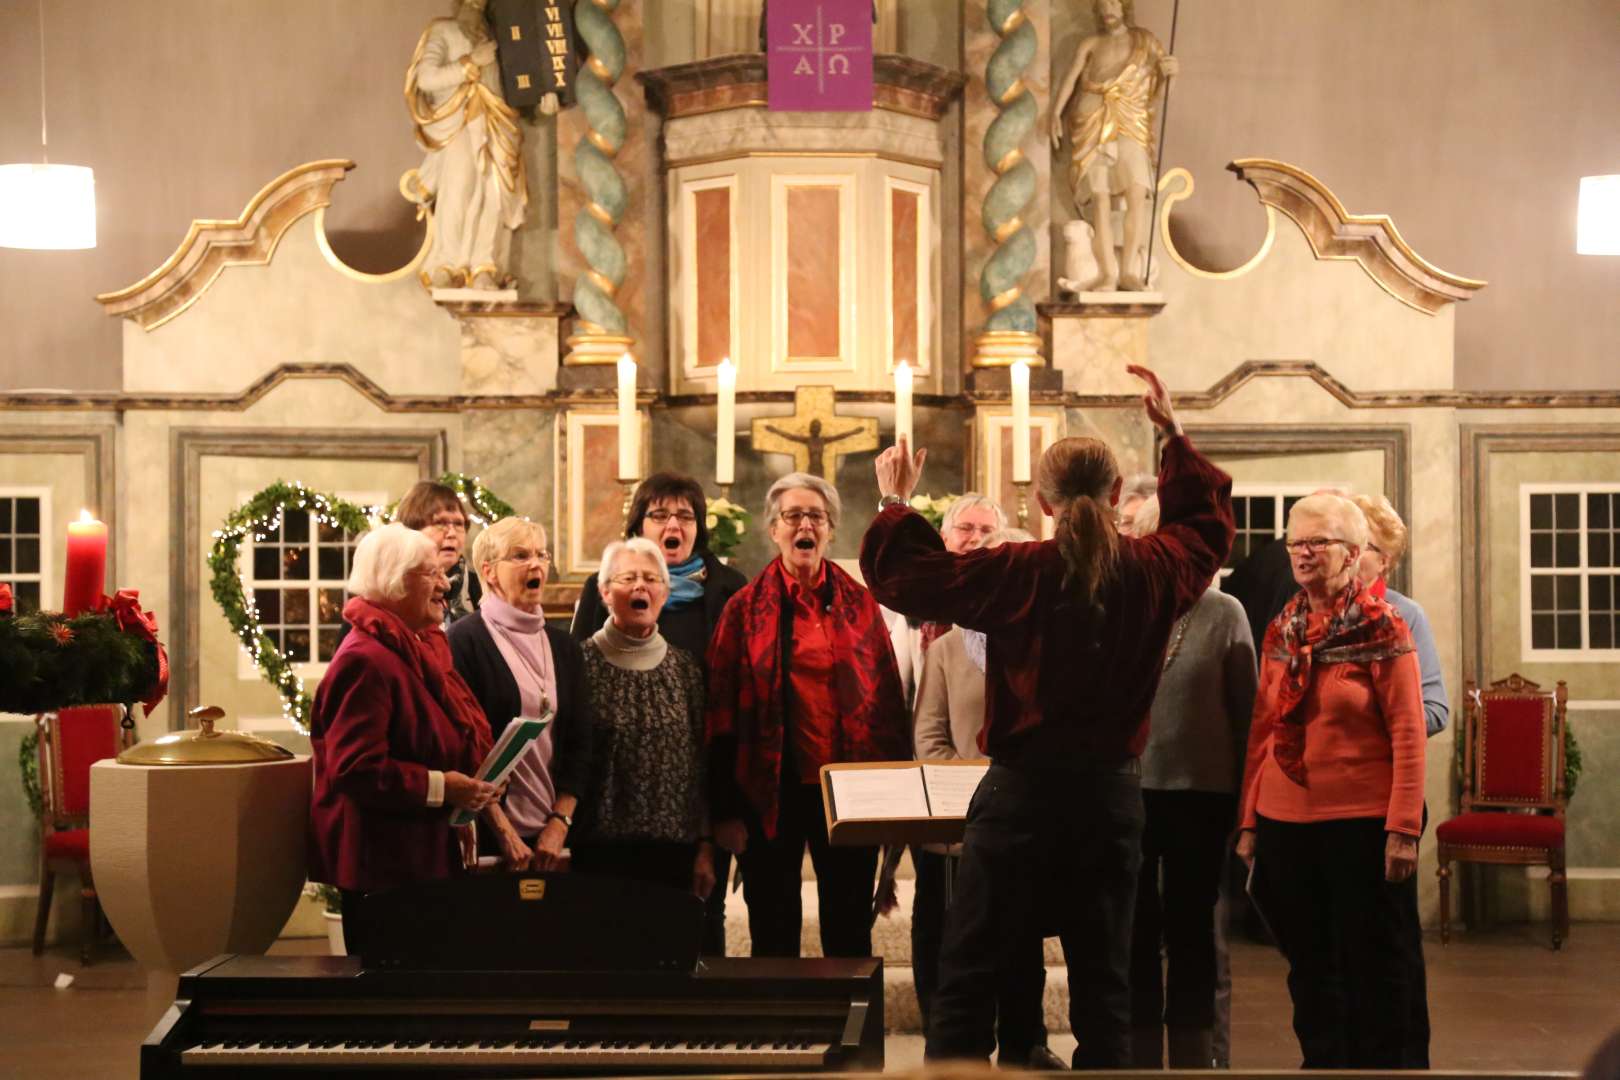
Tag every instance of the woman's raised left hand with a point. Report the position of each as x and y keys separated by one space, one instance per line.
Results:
x=1400 y=857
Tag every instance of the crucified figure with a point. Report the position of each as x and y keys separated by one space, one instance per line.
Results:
x=815 y=442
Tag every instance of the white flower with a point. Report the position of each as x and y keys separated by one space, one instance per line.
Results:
x=742 y=526
x=711 y=521
x=919 y=502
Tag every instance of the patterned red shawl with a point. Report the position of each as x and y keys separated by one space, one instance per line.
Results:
x=1361 y=628
x=748 y=676
x=428 y=654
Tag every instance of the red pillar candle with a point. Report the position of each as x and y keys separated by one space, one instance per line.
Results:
x=86 y=565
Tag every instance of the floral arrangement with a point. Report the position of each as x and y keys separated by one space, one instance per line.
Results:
x=726 y=523
x=933 y=509
x=262 y=515
x=328 y=895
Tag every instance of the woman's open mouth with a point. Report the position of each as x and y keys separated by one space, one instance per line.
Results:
x=533 y=583
x=804 y=543
x=672 y=543
x=639 y=604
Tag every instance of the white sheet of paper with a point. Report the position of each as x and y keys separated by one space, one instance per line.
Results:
x=878 y=793
x=951 y=787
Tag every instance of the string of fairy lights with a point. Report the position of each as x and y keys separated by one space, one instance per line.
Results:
x=262 y=517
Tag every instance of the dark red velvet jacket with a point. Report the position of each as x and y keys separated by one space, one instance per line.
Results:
x=376 y=732
x=1059 y=693
x=747 y=709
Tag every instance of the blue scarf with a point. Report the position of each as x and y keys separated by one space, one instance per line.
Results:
x=685 y=583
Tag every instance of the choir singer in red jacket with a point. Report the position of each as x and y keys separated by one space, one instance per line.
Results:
x=1076 y=629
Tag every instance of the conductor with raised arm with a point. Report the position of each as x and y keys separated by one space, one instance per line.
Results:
x=1076 y=631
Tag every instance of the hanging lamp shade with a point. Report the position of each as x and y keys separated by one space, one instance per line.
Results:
x=49 y=207
x=1597 y=218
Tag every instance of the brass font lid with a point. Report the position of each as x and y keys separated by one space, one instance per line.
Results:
x=203 y=745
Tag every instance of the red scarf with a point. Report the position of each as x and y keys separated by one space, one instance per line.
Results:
x=427 y=653
x=748 y=658
x=1361 y=628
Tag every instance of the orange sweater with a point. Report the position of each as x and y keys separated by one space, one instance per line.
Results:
x=1364 y=746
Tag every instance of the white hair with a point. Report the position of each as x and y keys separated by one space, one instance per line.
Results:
x=1146 y=519
x=967 y=501
x=384 y=556
x=800 y=481
x=1139 y=486
x=497 y=541
x=1344 y=516
x=636 y=545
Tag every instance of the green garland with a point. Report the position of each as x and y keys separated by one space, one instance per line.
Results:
x=261 y=515
x=55 y=662
x=28 y=765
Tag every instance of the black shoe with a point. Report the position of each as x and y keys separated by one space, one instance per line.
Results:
x=1041 y=1059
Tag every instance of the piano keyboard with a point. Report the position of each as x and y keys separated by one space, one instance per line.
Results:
x=546 y=1051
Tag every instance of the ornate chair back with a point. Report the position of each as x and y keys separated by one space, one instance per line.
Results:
x=1514 y=747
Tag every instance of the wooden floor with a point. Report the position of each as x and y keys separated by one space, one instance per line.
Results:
x=1499 y=1002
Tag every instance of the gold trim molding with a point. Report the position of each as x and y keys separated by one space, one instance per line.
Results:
x=1371 y=240
x=1167 y=202
x=211 y=245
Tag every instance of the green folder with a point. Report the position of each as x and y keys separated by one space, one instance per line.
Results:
x=503 y=757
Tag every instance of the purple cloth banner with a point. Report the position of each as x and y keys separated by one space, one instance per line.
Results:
x=820 y=56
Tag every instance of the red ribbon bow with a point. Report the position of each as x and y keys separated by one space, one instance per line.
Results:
x=5 y=598
x=125 y=607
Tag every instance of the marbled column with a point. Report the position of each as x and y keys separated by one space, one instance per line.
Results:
x=1004 y=110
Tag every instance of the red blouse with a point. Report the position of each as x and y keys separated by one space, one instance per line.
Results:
x=812 y=709
x=1056 y=694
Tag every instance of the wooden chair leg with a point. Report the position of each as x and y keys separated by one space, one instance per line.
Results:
x=47 y=886
x=1560 y=906
x=1444 y=871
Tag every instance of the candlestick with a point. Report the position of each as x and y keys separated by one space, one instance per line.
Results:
x=629 y=421
x=902 y=405
x=1023 y=503
x=725 y=425
x=1020 y=418
x=86 y=573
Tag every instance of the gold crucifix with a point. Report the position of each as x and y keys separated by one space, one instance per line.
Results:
x=815 y=434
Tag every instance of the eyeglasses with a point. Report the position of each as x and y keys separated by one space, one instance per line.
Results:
x=816 y=518
x=1316 y=544
x=661 y=517
x=434 y=574
x=523 y=555
x=631 y=578
x=973 y=530
x=447 y=523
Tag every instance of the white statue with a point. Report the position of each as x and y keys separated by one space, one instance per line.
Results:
x=1080 y=270
x=1121 y=72
x=473 y=173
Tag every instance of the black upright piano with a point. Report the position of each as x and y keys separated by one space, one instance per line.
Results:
x=457 y=1008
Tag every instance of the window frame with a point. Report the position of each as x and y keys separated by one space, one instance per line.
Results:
x=1528 y=653
x=47 y=537
x=1280 y=493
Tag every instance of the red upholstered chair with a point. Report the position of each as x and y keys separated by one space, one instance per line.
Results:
x=70 y=741
x=1513 y=790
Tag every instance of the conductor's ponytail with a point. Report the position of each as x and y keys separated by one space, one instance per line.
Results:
x=1076 y=477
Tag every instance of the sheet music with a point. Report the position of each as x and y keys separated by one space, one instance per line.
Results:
x=951 y=787
x=878 y=793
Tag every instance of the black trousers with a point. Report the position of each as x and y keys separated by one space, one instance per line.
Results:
x=1345 y=932
x=651 y=861
x=1417 y=984
x=1055 y=850
x=1183 y=854
x=845 y=878
x=1020 y=1019
x=355 y=924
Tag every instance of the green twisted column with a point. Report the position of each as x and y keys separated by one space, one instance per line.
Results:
x=1012 y=314
x=605 y=193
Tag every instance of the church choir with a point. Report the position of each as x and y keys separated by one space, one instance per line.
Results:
x=1137 y=730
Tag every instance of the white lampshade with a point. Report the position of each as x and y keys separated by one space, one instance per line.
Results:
x=1597 y=221
x=47 y=206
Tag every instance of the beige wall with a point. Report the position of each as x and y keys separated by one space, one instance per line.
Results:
x=1470 y=121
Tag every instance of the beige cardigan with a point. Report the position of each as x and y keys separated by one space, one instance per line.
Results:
x=950 y=708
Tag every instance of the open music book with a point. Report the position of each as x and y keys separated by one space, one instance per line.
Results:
x=517 y=740
x=899 y=802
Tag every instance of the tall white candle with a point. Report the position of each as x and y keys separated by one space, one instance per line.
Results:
x=629 y=421
x=1020 y=416
x=725 y=424
x=902 y=404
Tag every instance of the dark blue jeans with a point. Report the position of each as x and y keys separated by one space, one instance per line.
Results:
x=1056 y=850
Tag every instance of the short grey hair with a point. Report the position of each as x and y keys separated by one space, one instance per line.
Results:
x=803 y=481
x=1146 y=519
x=636 y=545
x=1009 y=534
x=497 y=541
x=1345 y=516
x=384 y=556
x=967 y=501
x=1139 y=486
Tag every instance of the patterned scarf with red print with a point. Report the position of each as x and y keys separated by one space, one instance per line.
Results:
x=1361 y=628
